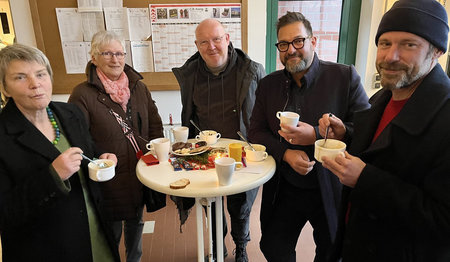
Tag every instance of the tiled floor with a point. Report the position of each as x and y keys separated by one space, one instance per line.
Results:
x=167 y=244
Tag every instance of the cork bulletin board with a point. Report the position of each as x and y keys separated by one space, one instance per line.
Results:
x=48 y=40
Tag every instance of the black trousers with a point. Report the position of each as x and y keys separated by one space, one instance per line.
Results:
x=293 y=208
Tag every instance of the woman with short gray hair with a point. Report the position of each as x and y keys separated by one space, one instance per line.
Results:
x=115 y=101
x=48 y=205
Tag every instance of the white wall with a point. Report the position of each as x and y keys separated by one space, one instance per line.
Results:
x=371 y=13
x=23 y=26
x=168 y=102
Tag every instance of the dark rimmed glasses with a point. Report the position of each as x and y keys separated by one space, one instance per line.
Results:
x=109 y=55
x=297 y=43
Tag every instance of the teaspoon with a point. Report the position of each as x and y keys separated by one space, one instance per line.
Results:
x=245 y=140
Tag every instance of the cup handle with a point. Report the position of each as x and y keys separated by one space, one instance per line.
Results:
x=236 y=165
x=197 y=137
x=265 y=155
x=219 y=135
x=278 y=114
x=148 y=146
x=342 y=154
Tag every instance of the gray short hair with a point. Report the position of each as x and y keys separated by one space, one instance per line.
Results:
x=102 y=38
x=22 y=53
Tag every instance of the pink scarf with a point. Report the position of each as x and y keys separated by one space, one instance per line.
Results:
x=118 y=90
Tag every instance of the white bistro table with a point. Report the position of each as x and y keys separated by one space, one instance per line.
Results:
x=204 y=186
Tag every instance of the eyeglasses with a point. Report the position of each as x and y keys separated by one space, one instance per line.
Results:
x=215 y=40
x=297 y=43
x=109 y=55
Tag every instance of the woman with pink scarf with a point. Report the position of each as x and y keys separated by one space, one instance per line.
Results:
x=122 y=117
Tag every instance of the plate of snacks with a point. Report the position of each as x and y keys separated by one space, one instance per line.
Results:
x=189 y=149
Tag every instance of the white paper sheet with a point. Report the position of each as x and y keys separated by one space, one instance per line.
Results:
x=69 y=24
x=116 y=20
x=89 y=5
x=74 y=57
x=112 y=3
x=92 y=23
x=142 y=56
x=139 y=24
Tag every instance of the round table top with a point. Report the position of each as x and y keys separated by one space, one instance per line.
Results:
x=204 y=183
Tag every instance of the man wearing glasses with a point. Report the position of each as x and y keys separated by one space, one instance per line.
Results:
x=301 y=190
x=218 y=86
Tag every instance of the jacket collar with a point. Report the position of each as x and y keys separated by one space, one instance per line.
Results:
x=28 y=135
x=425 y=102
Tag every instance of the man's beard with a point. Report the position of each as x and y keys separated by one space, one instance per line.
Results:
x=408 y=76
x=301 y=66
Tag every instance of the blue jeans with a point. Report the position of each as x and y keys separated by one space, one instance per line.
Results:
x=133 y=236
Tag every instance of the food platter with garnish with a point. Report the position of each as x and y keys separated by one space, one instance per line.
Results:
x=189 y=149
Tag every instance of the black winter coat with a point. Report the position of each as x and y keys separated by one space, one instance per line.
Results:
x=39 y=221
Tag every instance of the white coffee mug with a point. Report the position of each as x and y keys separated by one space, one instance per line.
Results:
x=225 y=167
x=288 y=118
x=332 y=149
x=180 y=133
x=259 y=154
x=160 y=147
x=210 y=136
x=101 y=174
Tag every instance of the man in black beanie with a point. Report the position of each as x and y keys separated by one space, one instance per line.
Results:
x=396 y=199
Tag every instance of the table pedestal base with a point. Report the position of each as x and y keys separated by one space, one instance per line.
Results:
x=219 y=228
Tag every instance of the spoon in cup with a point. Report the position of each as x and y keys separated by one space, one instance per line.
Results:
x=245 y=140
x=195 y=125
x=100 y=165
x=326 y=131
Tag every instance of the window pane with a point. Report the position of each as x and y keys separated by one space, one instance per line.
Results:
x=325 y=18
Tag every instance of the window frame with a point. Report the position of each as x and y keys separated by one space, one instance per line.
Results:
x=348 y=34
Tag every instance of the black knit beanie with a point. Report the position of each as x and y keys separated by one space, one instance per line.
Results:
x=425 y=18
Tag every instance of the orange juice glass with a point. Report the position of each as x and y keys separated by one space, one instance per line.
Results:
x=235 y=152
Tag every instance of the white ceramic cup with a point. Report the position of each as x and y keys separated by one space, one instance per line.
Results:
x=210 y=136
x=101 y=174
x=259 y=154
x=288 y=118
x=160 y=147
x=332 y=149
x=225 y=167
x=180 y=133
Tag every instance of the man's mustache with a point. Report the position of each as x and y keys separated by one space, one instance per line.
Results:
x=294 y=55
x=393 y=66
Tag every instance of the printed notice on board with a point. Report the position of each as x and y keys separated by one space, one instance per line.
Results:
x=89 y=5
x=75 y=57
x=142 y=56
x=173 y=30
x=69 y=24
